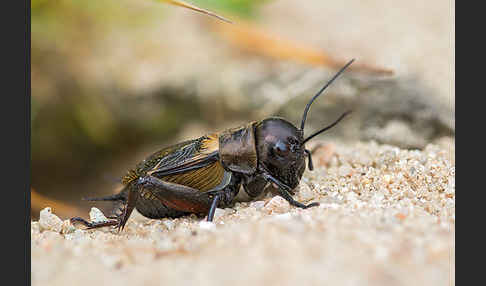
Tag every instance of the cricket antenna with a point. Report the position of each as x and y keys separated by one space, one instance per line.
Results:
x=195 y=8
x=304 y=117
x=327 y=127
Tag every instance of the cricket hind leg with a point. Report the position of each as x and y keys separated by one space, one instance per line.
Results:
x=127 y=197
x=91 y=225
x=121 y=196
x=116 y=220
x=175 y=196
x=179 y=197
x=154 y=208
x=159 y=198
x=129 y=206
x=119 y=200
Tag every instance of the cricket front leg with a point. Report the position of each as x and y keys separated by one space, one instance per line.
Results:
x=283 y=190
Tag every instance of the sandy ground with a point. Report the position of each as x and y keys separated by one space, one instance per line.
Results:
x=387 y=217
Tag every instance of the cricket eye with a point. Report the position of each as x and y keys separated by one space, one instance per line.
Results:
x=281 y=149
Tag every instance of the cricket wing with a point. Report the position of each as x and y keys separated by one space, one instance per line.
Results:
x=193 y=164
x=192 y=155
x=205 y=178
x=179 y=158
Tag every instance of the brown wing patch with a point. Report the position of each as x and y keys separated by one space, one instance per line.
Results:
x=202 y=179
x=184 y=154
x=208 y=145
x=129 y=177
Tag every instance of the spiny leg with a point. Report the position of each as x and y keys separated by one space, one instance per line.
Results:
x=176 y=196
x=214 y=205
x=226 y=180
x=284 y=192
x=115 y=220
x=309 y=155
x=91 y=225
x=184 y=198
x=127 y=210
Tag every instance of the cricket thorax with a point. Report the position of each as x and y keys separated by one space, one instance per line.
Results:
x=237 y=149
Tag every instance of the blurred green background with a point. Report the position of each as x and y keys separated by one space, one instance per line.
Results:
x=113 y=81
x=80 y=129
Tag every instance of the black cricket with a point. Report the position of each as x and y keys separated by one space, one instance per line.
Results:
x=197 y=176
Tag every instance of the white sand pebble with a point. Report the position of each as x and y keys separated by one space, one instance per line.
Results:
x=77 y=234
x=345 y=170
x=169 y=224
x=67 y=227
x=277 y=205
x=218 y=213
x=281 y=217
x=206 y=225
x=305 y=193
x=257 y=204
x=49 y=221
x=95 y=215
